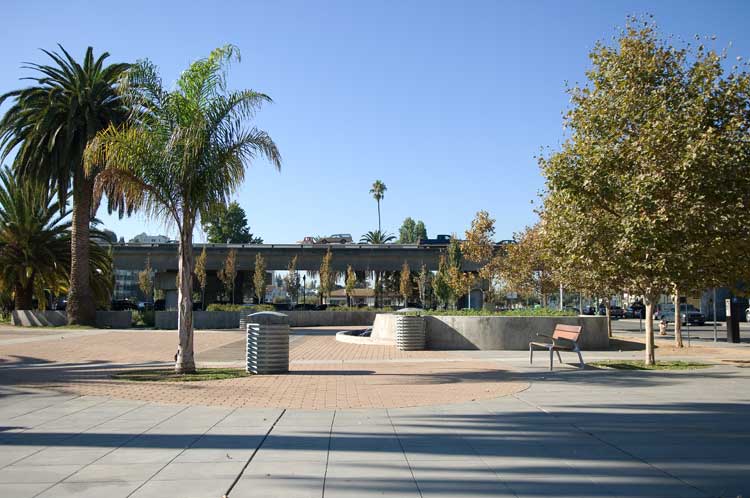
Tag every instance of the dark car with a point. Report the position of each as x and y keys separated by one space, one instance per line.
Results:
x=588 y=310
x=615 y=312
x=635 y=311
x=123 y=305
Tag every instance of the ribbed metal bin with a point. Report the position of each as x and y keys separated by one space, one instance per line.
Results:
x=410 y=333
x=267 y=343
x=243 y=322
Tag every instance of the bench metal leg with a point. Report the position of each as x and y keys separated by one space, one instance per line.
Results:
x=558 y=356
x=580 y=358
x=551 y=358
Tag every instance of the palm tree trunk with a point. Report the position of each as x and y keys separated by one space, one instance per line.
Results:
x=677 y=320
x=185 y=362
x=379 y=216
x=23 y=295
x=81 y=309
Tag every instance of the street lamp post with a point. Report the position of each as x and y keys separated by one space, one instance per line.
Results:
x=304 y=288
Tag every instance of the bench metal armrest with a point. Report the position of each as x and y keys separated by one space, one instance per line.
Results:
x=545 y=335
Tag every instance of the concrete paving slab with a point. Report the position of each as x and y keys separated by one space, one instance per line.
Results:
x=90 y=490
x=36 y=473
x=100 y=472
x=22 y=490
x=193 y=488
x=224 y=471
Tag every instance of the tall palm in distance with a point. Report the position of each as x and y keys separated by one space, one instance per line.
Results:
x=181 y=155
x=377 y=237
x=49 y=125
x=378 y=192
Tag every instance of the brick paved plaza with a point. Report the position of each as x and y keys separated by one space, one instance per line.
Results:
x=357 y=420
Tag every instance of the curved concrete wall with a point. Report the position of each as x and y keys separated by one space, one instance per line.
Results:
x=495 y=332
x=329 y=318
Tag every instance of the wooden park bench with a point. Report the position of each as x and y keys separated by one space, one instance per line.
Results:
x=564 y=338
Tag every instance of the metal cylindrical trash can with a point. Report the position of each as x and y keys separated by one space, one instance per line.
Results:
x=267 y=343
x=244 y=321
x=410 y=333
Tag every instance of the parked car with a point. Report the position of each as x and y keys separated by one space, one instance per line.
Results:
x=747 y=315
x=588 y=310
x=688 y=313
x=337 y=238
x=615 y=312
x=145 y=305
x=61 y=304
x=123 y=305
x=635 y=310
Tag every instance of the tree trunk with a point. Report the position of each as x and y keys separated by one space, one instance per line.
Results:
x=677 y=320
x=81 y=309
x=23 y=298
x=185 y=362
x=650 y=357
x=609 y=320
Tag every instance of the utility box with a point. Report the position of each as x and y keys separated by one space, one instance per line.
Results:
x=734 y=315
x=267 y=343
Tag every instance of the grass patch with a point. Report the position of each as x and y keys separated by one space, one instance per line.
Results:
x=169 y=375
x=641 y=365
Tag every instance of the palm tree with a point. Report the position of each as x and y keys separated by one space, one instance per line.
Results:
x=49 y=125
x=35 y=241
x=183 y=153
x=378 y=192
x=377 y=237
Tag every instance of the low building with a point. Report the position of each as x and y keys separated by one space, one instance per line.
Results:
x=363 y=297
x=143 y=238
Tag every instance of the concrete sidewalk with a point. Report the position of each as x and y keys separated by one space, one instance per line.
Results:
x=573 y=433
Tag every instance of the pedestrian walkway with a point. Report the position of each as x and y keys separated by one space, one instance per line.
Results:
x=572 y=434
x=569 y=433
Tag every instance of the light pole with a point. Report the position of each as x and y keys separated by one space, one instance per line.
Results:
x=304 y=288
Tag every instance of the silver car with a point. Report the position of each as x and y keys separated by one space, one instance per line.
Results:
x=688 y=313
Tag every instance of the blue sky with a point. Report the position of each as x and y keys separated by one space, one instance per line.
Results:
x=445 y=102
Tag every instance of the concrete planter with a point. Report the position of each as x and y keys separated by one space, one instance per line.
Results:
x=494 y=332
x=410 y=333
x=49 y=318
x=201 y=320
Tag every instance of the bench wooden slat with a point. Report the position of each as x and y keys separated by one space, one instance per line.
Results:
x=569 y=332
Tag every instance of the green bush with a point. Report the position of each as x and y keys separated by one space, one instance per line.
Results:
x=518 y=312
x=239 y=307
x=143 y=318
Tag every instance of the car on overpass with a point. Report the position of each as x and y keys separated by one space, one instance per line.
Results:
x=336 y=238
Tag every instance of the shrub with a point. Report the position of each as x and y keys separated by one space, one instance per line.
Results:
x=143 y=318
x=239 y=307
x=518 y=312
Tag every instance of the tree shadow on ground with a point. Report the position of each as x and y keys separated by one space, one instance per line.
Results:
x=608 y=449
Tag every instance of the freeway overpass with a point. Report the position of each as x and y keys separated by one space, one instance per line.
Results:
x=361 y=257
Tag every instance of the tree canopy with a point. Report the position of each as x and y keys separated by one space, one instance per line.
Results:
x=228 y=224
x=652 y=182
x=411 y=231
